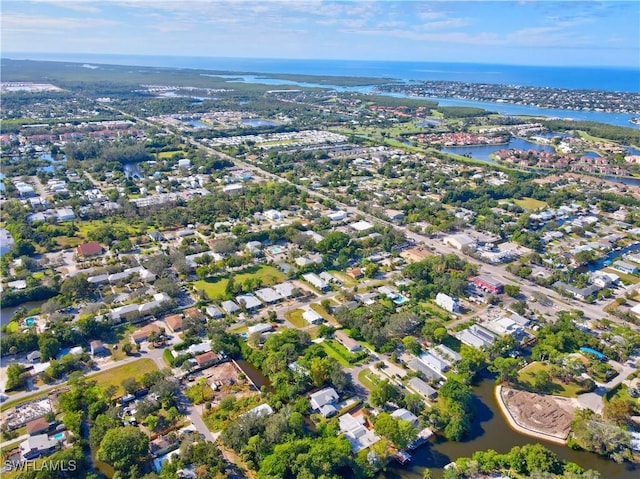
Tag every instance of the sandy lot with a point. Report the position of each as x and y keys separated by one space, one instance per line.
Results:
x=550 y=415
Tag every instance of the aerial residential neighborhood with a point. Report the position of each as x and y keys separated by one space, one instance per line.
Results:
x=209 y=278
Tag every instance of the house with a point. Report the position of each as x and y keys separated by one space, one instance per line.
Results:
x=38 y=426
x=174 y=323
x=503 y=326
x=229 y=307
x=337 y=215
x=405 y=415
x=285 y=289
x=361 y=226
x=38 y=446
x=91 y=248
x=260 y=328
x=268 y=295
x=96 y=348
x=446 y=353
x=428 y=372
x=316 y=281
x=625 y=267
x=200 y=348
x=232 y=189
x=207 y=358
x=34 y=357
x=422 y=388
x=249 y=301
x=354 y=429
x=324 y=402
x=214 y=312
x=312 y=317
x=578 y=293
x=143 y=333
x=351 y=344
x=6 y=241
x=434 y=362
x=488 y=284
x=355 y=273
x=65 y=214
x=260 y=410
x=448 y=303
x=156 y=236
x=476 y=337
x=394 y=215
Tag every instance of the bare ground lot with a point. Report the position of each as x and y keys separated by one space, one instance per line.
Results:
x=549 y=415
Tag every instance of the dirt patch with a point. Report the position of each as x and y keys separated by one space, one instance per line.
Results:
x=226 y=379
x=550 y=415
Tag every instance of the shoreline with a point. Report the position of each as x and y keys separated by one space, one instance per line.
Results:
x=518 y=427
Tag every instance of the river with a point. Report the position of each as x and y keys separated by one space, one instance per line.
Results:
x=484 y=152
x=491 y=431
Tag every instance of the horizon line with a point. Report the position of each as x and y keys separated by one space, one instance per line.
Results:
x=4 y=55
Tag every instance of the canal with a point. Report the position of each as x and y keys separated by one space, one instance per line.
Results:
x=7 y=313
x=491 y=431
x=484 y=152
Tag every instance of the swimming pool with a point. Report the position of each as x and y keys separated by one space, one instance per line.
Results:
x=30 y=322
x=58 y=436
x=275 y=249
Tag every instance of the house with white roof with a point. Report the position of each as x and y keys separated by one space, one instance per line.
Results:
x=353 y=427
x=324 y=401
x=312 y=317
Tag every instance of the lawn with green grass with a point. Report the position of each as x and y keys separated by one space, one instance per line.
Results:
x=169 y=154
x=341 y=354
x=295 y=318
x=526 y=381
x=215 y=286
x=323 y=312
x=367 y=379
x=115 y=376
x=530 y=203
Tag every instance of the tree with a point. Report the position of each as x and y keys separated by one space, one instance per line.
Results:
x=49 y=347
x=16 y=377
x=506 y=369
x=383 y=393
x=124 y=447
x=512 y=290
x=398 y=431
x=130 y=385
x=542 y=380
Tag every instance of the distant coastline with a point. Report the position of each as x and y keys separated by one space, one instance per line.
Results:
x=598 y=78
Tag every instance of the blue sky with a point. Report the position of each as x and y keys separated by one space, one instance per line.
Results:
x=520 y=32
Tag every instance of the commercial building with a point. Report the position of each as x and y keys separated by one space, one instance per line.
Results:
x=488 y=284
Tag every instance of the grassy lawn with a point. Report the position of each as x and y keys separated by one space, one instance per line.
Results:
x=295 y=318
x=625 y=278
x=214 y=287
x=530 y=203
x=86 y=227
x=68 y=241
x=347 y=280
x=340 y=353
x=115 y=376
x=366 y=378
x=13 y=327
x=168 y=154
x=322 y=312
x=558 y=388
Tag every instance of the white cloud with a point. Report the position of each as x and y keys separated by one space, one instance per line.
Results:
x=37 y=23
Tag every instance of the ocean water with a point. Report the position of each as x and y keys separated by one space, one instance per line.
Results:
x=597 y=78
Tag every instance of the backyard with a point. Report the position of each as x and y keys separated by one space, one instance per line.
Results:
x=215 y=287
